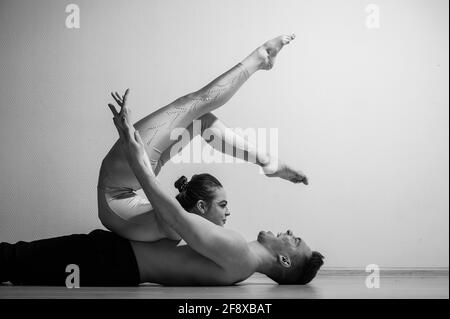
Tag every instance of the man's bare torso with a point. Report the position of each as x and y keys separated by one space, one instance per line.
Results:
x=164 y=262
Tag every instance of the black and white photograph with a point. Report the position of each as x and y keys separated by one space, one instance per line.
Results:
x=206 y=151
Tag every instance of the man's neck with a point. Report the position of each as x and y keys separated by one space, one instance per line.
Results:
x=262 y=257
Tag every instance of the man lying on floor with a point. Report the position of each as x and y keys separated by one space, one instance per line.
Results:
x=213 y=255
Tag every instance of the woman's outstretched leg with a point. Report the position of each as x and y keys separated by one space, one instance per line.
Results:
x=117 y=181
x=225 y=140
x=155 y=129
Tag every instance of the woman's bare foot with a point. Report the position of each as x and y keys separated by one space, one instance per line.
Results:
x=276 y=168
x=263 y=58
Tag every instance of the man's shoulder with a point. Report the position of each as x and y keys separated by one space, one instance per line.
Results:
x=236 y=240
x=240 y=256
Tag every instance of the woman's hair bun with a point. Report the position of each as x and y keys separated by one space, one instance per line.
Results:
x=181 y=183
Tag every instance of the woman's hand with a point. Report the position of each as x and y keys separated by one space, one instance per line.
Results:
x=129 y=138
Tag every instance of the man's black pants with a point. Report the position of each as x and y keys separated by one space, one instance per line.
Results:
x=103 y=259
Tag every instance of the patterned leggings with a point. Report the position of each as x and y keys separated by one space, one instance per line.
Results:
x=120 y=208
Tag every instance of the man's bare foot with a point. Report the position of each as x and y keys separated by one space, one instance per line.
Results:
x=263 y=58
x=276 y=168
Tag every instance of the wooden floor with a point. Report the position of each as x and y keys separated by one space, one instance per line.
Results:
x=331 y=283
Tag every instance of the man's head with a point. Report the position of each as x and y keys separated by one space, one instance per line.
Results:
x=203 y=195
x=295 y=263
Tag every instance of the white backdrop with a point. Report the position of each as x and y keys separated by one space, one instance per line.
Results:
x=364 y=112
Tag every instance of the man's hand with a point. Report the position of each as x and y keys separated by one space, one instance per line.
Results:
x=129 y=138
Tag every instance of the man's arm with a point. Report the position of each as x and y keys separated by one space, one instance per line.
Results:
x=214 y=242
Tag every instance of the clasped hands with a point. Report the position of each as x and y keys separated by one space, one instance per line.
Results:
x=129 y=138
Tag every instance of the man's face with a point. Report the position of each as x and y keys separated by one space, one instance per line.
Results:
x=284 y=244
x=218 y=209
